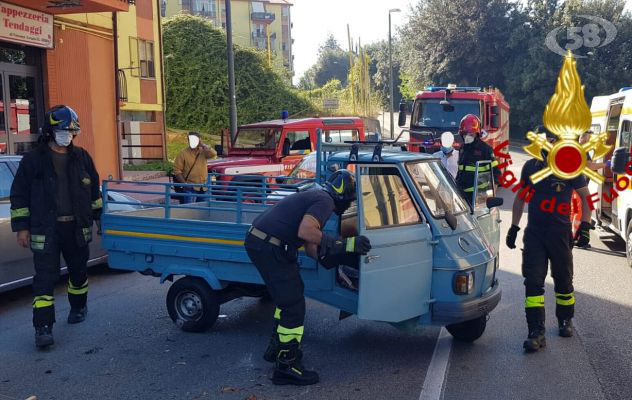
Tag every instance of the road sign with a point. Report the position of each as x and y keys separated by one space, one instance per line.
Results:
x=330 y=104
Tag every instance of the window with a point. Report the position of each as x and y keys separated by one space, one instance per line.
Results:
x=142 y=58
x=438 y=191
x=340 y=135
x=429 y=113
x=614 y=116
x=6 y=179
x=385 y=199
x=257 y=138
x=141 y=116
x=625 y=139
x=485 y=188
x=285 y=11
x=298 y=141
x=204 y=7
x=257 y=7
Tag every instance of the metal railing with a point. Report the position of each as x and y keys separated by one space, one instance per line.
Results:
x=251 y=194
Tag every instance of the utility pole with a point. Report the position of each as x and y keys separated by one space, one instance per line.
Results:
x=231 y=72
x=390 y=67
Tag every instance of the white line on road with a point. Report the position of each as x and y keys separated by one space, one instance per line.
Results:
x=435 y=376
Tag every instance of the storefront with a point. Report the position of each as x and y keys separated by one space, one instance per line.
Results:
x=60 y=52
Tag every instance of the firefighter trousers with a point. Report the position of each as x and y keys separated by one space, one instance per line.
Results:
x=47 y=268
x=542 y=246
x=280 y=271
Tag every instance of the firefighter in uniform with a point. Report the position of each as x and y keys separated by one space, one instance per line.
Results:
x=272 y=244
x=548 y=238
x=473 y=151
x=55 y=198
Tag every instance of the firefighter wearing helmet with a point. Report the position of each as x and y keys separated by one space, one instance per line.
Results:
x=55 y=198
x=473 y=151
x=272 y=244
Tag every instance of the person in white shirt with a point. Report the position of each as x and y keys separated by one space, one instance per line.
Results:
x=448 y=155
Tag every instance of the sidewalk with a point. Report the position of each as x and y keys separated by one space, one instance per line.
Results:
x=143 y=176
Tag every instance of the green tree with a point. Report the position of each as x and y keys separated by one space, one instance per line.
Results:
x=461 y=42
x=532 y=69
x=197 y=83
x=332 y=63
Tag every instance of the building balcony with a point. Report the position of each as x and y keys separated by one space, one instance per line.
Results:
x=263 y=17
x=74 y=6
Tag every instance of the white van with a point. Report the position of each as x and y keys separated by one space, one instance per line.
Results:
x=613 y=114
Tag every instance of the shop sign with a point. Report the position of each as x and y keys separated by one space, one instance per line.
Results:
x=25 y=26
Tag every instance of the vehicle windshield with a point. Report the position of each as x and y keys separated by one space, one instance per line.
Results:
x=339 y=135
x=257 y=138
x=438 y=190
x=303 y=170
x=430 y=114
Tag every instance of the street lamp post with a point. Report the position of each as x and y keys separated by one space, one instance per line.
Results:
x=231 y=72
x=390 y=67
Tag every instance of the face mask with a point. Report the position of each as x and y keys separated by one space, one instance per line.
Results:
x=447 y=150
x=63 y=138
x=194 y=141
x=468 y=139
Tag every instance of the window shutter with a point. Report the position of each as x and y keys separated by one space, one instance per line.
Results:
x=133 y=56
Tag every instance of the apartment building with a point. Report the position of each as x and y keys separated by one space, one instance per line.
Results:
x=263 y=24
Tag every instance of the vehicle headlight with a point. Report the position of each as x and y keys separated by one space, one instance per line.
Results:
x=464 y=282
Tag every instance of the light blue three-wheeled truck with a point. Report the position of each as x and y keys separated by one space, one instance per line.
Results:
x=433 y=261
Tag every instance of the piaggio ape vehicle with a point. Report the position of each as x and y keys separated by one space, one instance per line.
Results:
x=433 y=260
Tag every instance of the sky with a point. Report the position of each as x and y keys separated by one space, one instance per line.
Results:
x=368 y=19
x=315 y=19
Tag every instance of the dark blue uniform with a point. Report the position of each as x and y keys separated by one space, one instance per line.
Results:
x=548 y=237
x=272 y=244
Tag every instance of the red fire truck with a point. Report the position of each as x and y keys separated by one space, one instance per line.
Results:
x=273 y=148
x=440 y=109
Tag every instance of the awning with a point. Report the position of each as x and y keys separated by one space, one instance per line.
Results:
x=74 y=6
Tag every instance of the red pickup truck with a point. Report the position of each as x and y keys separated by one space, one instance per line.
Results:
x=273 y=148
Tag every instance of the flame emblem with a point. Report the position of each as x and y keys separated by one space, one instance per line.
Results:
x=567 y=115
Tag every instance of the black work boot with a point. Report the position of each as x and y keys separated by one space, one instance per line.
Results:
x=536 y=340
x=273 y=348
x=44 y=336
x=77 y=315
x=289 y=369
x=566 y=327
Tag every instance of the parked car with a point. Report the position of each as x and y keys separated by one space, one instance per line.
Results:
x=16 y=264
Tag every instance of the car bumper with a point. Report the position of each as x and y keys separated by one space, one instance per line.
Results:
x=445 y=313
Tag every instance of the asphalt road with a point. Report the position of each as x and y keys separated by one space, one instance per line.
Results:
x=128 y=348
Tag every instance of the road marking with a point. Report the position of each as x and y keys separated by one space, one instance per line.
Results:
x=435 y=376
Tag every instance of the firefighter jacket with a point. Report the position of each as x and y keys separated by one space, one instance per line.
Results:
x=469 y=155
x=33 y=194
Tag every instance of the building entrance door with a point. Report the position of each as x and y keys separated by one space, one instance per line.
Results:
x=20 y=107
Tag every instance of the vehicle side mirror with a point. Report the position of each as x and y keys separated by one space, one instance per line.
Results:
x=495 y=121
x=492 y=202
x=620 y=159
x=219 y=149
x=450 y=219
x=401 y=118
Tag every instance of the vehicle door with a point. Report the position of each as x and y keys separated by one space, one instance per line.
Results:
x=15 y=263
x=484 y=188
x=395 y=277
x=624 y=140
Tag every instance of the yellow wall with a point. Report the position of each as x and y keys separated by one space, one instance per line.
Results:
x=242 y=23
x=127 y=28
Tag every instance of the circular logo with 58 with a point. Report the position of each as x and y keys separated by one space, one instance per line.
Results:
x=588 y=35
